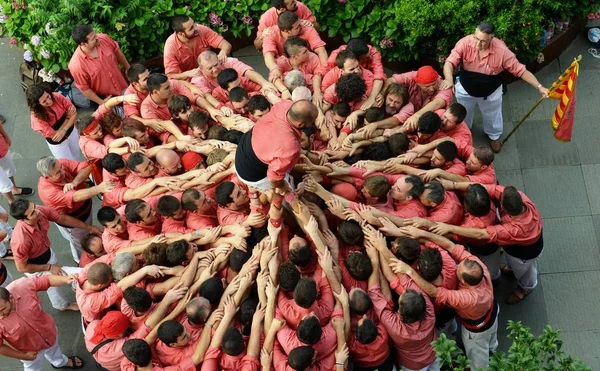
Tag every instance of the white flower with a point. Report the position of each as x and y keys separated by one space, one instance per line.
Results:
x=3 y=18
x=47 y=75
x=28 y=56
x=45 y=53
x=49 y=29
x=35 y=40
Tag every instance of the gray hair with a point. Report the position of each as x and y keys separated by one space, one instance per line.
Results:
x=198 y=310
x=46 y=164
x=301 y=93
x=206 y=55
x=487 y=28
x=122 y=265
x=293 y=79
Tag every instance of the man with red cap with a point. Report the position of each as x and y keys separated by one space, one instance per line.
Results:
x=27 y=332
x=427 y=92
x=483 y=58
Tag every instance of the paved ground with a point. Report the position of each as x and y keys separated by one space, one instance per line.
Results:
x=562 y=179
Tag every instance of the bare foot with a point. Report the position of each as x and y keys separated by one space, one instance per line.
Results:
x=71 y=306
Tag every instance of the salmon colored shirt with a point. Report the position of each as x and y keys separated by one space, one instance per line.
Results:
x=404 y=113
x=524 y=229
x=372 y=63
x=496 y=59
x=52 y=194
x=85 y=259
x=111 y=355
x=288 y=339
x=462 y=138
x=331 y=98
x=449 y=211
x=269 y=17
x=113 y=242
x=207 y=84
x=3 y=146
x=456 y=167
x=134 y=109
x=31 y=241
x=308 y=68
x=59 y=108
x=281 y=155
x=412 y=341
x=116 y=197
x=151 y=110
x=250 y=86
x=470 y=302
x=274 y=42
x=92 y=149
x=409 y=209
x=215 y=359
x=185 y=365
x=94 y=304
x=28 y=328
x=172 y=356
x=484 y=176
x=132 y=180
x=139 y=231
x=414 y=92
x=201 y=221
x=332 y=77
x=373 y=354
x=322 y=307
x=135 y=321
x=101 y=74
x=179 y=57
x=479 y=222
x=171 y=225
x=280 y=361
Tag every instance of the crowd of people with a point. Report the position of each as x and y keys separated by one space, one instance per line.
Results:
x=324 y=217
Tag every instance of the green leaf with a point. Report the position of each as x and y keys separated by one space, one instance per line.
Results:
x=139 y=22
x=55 y=68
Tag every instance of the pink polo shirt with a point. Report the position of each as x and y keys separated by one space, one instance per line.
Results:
x=269 y=17
x=179 y=57
x=409 y=209
x=484 y=176
x=185 y=365
x=139 y=231
x=414 y=92
x=332 y=77
x=479 y=222
x=152 y=110
x=31 y=241
x=134 y=109
x=59 y=108
x=171 y=225
x=135 y=321
x=207 y=84
x=111 y=355
x=449 y=211
x=116 y=197
x=456 y=167
x=215 y=359
x=280 y=361
x=308 y=68
x=326 y=345
x=113 y=242
x=101 y=74
x=274 y=42
x=52 y=194
x=404 y=113
x=251 y=88
x=372 y=63
x=373 y=354
x=322 y=307
x=94 y=304
x=132 y=180
x=172 y=356
x=201 y=221
x=28 y=328
x=462 y=138
x=496 y=58
x=92 y=149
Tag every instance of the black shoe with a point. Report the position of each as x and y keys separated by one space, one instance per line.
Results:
x=26 y=192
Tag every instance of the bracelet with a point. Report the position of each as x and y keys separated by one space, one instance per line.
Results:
x=454 y=185
x=539 y=86
x=61 y=129
x=339 y=364
x=196 y=233
x=254 y=195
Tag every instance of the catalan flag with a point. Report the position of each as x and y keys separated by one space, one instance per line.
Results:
x=564 y=90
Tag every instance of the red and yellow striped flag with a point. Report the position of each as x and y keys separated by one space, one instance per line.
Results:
x=563 y=89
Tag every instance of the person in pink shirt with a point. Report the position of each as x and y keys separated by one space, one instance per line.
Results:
x=27 y=332
x=483 y=58
x=427 y=92
x=229 y=79
x=211 y=66
x=350 y=88
x=269 y=18
x=288 y=24
x=297 y=56
x=142 y=170
x=143 y=220
x=347 y=62
x=54 y=116
x=479 y=168
x=183 y=47
x=8 y=186
x=95 y=65
x=443 y=206
x=202 y=211
x=236 y=206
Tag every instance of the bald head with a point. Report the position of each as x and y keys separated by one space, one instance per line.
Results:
x=169 y=161
x=303 y=113
x=207 y=55
x=198 y=310
x=100 y=274
x=301 y=93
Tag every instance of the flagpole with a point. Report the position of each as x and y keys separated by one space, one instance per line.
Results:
x=523 y=120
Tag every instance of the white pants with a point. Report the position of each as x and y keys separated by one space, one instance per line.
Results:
x=7 y=169
x=53 y=354
x=58 y=295
x=74 y=237
x=526 y=271
x=435 y=366
x=491 y=110
x=479 y=344
x=492 y=262
x=68 y=149
x=264 y=185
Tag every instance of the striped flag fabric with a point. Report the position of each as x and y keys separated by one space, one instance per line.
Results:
x=564 y=90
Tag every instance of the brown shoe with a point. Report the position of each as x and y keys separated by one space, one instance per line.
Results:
x=496 y=145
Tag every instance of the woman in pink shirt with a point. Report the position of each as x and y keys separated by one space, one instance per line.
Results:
x=54 y=116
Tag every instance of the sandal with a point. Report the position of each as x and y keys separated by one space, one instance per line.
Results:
x=8 y=255
x=75 y=366
x=506 y=271
x=517 y=296
x=25 y=192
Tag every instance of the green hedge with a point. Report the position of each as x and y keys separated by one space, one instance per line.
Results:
x=404 y=30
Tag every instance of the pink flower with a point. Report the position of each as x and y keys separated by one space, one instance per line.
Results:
x=13 y=41
x=247 y=19
x=215 y=20
x=342 y=1
x=386 y=43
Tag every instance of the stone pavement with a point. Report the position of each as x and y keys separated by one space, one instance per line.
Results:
x=561 y=178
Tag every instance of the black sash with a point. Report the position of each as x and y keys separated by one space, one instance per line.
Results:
x=100 y=345
x=526 y=252
x=82 y=214
x=3 y=273
x=481 y=324
x=247 y=165
x=57 y=126
x=42 y=259
x=479 y=85
x=483 y=250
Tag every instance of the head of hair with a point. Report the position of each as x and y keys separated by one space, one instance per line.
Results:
x=360 y=302
x=484 y=155
x=156 y=254
x=413 y=308
x=247 y=310
x=459 y=111
x=227 y=76
x=367 y=332
x=169 y=331
x=417 y=188
x=292 y=44
x=477 y=200
x=133 y=209
x=122 y=265
x=398 y=144
x=429 y=123
x=18 y=208
x=135 y=159
x=233 y=136
x=398 y=90
x=168 y=205
x=216 y=155
x=342 y=56
x=358 y=46
x=113 y=162
x=84 y=119
x=99 y=274
x=238 y=94
x=197 y=310
x=300 y=255
x=134 y=72
x=198 y=119
x=105 y=215
x=110 y=122
x=289 y=275
x=487 y=27
x=278 y=4
x=294 y=79
x=216 y=132
x=511 y=201
x=238 y=258
x=301 y=358
x=189 y=198
x=212 y=289
x=309 y=330
x=86 y=242
x=286 y=20
x=4 y=294
x=177 y=252
x=448 y=150
x=377 y=186
x=374 y=114
x=138 y=299
x=350 y=232
x=223 y=193
x=258 y=103
x=46 y=164
x=80 y=33
x=155 y=80
x=437 y=193
x=350 y=87
x=178 y=21
x=376 y=152
x=474 y=274
x=178 y=104
x=342 y=109
x=430 y=264
x=358 y=265
x=137 y=352
x=408 y=250
x=233 y=342
x=33 y=95
x=305 y=292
